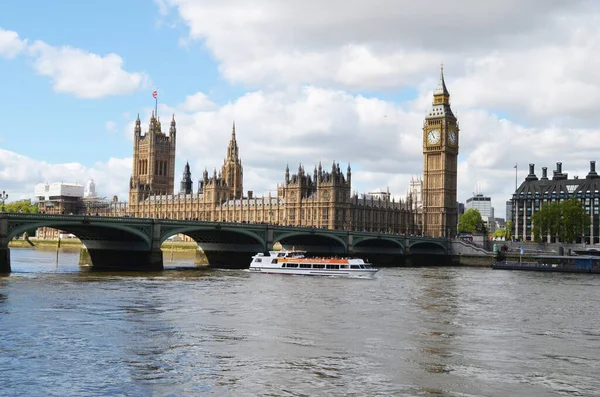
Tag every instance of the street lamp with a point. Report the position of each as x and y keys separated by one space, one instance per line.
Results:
x=443 y=231
x=3 y=197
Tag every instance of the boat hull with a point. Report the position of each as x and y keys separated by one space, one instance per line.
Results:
x=348 y=273
x=538 y=267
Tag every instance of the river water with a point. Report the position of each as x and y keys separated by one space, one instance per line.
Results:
x=430 y=331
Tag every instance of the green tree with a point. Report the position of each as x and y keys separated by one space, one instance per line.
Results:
x=470 y=221
x=21 y=206
x=566 y=221
x=508 y=230
x=575 y=221
x=499 y=233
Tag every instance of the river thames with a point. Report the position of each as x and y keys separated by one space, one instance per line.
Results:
x=429 y=331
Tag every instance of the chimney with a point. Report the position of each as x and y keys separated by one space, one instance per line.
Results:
x=250 y=194
x=545 y=173
x=558 y=174
x=592 y=174
x=531 y=176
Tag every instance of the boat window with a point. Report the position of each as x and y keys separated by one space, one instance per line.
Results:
x=274 y=261
x=332 y=267
x=362 y=266
x=292 y=265
x=354 y=267
x=343 y=266
x=305 y=265
x=257 y=260
x=281 y=255
x=318 y=266
x=368 y=267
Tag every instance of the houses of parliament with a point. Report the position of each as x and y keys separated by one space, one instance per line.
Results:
x=322 y=198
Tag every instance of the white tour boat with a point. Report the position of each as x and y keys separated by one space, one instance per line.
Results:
x=294 y=262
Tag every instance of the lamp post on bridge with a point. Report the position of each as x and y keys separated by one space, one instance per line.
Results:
x=444 y=232
x=3 y=197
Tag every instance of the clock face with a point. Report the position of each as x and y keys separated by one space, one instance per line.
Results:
x=433 y=137
x=452 y=137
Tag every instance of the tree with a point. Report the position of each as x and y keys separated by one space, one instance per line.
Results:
x=508 y=230
x=470 y=221
x=566 y=221
x=499 y=233
x=21 y=206
x=575 y=220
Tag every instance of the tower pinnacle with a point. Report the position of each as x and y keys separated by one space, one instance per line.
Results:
x=441 y=87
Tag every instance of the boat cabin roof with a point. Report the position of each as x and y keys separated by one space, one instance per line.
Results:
x=287 y=253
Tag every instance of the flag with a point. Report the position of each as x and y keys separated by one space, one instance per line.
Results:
x=155 y=94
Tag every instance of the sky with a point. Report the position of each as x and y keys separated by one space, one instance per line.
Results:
x=305 y=82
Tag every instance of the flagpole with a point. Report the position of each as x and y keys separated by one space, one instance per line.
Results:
x=156 y=104
x=516 y=169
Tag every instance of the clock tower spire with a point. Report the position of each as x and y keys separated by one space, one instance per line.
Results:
x=440 y=153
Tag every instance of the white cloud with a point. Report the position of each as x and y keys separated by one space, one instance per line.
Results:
x=197 y=102
x=534 y=58
x=19 y=175
x=10 y=44
x=84 y=74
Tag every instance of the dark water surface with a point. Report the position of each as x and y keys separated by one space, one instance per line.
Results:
x=410 y=332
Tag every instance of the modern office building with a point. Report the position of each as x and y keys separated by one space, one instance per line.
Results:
x=484 y=205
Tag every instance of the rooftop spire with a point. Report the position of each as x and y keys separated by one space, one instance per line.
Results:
x=441 y=87
x=232 y=150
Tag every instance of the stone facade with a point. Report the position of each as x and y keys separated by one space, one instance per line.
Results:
x=322 y=200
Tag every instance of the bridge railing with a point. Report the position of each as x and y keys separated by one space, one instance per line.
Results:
x=33 y=216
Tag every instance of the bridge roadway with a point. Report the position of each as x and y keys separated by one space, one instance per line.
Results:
x=134 y=243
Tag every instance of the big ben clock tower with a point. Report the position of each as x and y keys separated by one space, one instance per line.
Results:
x=440 y=152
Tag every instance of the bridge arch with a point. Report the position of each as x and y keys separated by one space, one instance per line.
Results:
x=86 y=231
x=212 y=234
x=385 y=244
x=312 y=240
x=428 y=247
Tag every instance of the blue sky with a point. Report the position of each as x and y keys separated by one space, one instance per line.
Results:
x=305 y=81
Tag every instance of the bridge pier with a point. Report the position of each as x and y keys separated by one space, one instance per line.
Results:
x=122 y=255
x=121 y=259
x=4 y=260
x=4 y=251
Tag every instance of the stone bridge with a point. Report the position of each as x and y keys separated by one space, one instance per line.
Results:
x=134 y=243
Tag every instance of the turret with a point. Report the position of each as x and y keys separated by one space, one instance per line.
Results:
x=138 y=126
x=173 y=129
x=186 y=181
x=349 y=174
x=287 y=174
